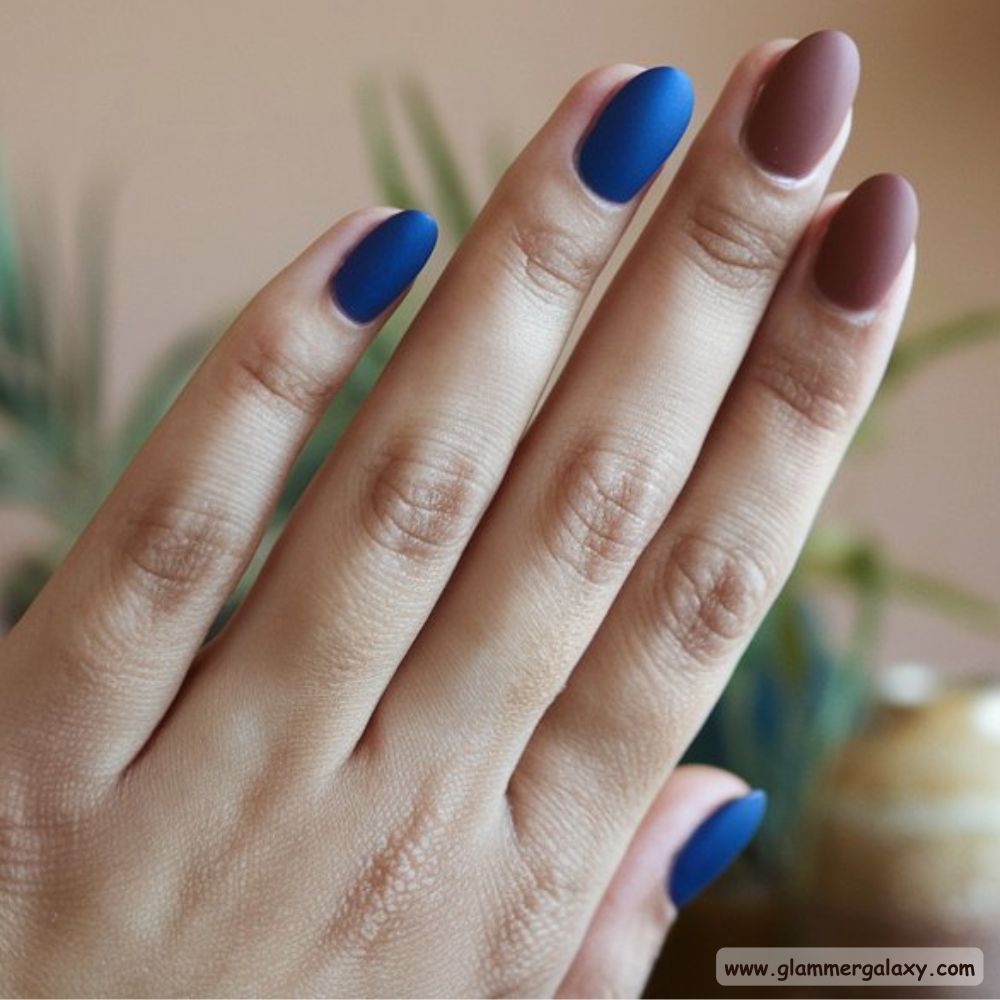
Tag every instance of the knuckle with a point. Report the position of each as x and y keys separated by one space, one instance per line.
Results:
x=173 y=547
x=552 y=261
x=816 y=390
x=273 y=367
x=606 y=501
x=733 y=250
x=423 y=498
x=708 y=597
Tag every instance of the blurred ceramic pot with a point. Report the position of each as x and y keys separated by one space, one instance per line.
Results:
x=907 y=832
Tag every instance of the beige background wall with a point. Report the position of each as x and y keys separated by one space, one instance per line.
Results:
x=232 y=130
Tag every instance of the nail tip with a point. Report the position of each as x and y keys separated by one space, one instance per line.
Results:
x=418 y=228
x=834 y=37
x=803 y=103
x=750 y=808
x=896 y=194
x=901 y=188
x=675 y=78
x=756 y=803
x=636 y=132
x=422 y=221
x=681 y=898
x=383 y=263
x=866 y=243
x=715 y=845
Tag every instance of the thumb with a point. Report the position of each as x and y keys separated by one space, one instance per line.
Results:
x=698 y=824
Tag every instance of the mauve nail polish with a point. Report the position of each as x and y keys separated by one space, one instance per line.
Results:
x=803 y=104
x=636 y=131
x=866 y=243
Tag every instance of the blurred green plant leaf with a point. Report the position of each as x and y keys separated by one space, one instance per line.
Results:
x=914 y=352
x=87 y=348
x=498 y=155
x=383 y=151
x=37 y=393
x=942 y=596
x=454 y=205
x=23 y=369
x=26 y=476
x=837 y=555
x=22 y=582
x=13 y=329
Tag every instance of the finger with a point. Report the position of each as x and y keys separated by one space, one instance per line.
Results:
x=623 y=427
x=698 y=593
x=700 y=821
x=101 y=652
x=377 y=536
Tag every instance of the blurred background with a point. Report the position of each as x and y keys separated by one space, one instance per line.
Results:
x=160 y=161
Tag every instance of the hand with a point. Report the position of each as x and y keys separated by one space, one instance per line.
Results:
x=415 y=758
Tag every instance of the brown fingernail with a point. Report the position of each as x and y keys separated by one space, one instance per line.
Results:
x=866 y=242
x=802 y=105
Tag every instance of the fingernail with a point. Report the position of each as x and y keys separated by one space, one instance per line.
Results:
x=866 y=243
x=635 y=133
x=803 y=104
x=383 y=264
x=715 y=845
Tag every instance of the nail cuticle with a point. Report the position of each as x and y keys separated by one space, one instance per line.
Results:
x=778 y=181
x=860 y=318
x=782 y=182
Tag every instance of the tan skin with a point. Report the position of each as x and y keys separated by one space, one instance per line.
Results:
x=430 y=754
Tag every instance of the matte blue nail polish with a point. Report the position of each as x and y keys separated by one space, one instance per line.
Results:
x=636 y=132
x=381 y=266
x=715 y=845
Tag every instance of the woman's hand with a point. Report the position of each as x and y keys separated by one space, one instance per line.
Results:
x=415 y=758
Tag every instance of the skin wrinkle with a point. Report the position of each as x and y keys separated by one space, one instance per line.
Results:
x=710 y=596
x=608 y=499
x=423 y=498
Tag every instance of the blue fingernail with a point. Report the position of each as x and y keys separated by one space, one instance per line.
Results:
x=381 y=266
x=636 y=132
x=715 y=845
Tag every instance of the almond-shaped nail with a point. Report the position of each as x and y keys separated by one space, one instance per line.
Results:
x=377 y=271
x=803 y=104
x=866 y=242
x=635 y=133
x=715 y=845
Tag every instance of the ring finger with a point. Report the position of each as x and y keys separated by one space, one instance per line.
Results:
x=620 y=433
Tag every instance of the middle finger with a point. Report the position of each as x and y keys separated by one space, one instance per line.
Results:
x=376 y=537
x=620 y=433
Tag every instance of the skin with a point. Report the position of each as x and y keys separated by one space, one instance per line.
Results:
x=434 y=752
